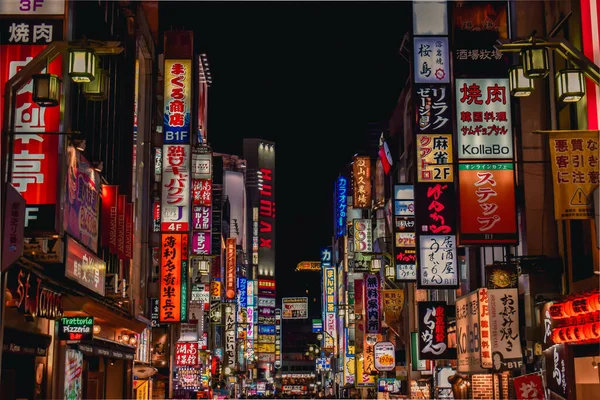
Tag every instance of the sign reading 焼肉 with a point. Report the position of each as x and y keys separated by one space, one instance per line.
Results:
x=574 y=156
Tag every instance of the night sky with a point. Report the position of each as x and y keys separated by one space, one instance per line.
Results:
x=308 y=76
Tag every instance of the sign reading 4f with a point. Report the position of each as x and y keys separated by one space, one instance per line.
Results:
x=325 y=256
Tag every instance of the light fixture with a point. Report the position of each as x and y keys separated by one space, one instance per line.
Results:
x=82 y=65
x=375 y=265
x=97 y=90
x=535 y=61
x=320 y=336
x=79 y=144
x=570 y=85
x=125 y=338
x=97 y=329
x=390 y=272
x=310 y=348
x=594 y=363
x=520 y=85
x=46 y=90
x=133 y=340
x=98 y=166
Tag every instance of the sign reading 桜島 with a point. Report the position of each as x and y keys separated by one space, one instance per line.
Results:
x=483 y=119
x=431 y=63
x=574 y=156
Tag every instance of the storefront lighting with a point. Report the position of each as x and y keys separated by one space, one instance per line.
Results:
x=82 y=65
x=125 y=338
x=520 y=85
x=570 y=85
x=97 y=90
x=46 y=90
x=97 y=329
x=320 y=336
x=535 y=62
x=133 y=340
x=390 y=272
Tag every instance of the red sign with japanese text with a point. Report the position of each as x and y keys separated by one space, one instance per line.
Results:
x=487 y=204
x=186 y=354
x=173 y=251
x=121 y=205
x=529 y=387
x=175 y=200
x=35 y=159
x=230 y=276
x=128 y=231
x=110 y=195
x=202 y=192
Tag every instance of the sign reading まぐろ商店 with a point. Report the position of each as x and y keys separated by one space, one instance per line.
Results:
x=178 y=101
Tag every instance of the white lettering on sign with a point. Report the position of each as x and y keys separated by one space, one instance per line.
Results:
x=32 y=7
x=32 y=33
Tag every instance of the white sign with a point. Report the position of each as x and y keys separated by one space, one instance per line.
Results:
x=229 y=338
x=385 y=356
x=483 y=119
x=32 y=7
x=175 y=204
x=201 y=293
x=504 y=327
x=430 y=18
x=437 y=262
x=266 y=302
x=363 y=236
x=431 y=60
x=468 y=334
x=202 y=166
x=294 y=308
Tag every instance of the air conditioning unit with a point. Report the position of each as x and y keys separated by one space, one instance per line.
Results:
x=112 y=284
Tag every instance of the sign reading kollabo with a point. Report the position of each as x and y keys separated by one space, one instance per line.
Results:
x=483 y=119
x=76 y=328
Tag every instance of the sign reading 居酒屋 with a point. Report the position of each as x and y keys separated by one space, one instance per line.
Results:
x=487 y=203
x=483 y=119
x=574 y=156
x=178 y=101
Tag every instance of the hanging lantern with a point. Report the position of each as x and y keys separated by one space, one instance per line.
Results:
x=556 y=339
x=570 y=85
x=97 y=90
x=520 y=85
x=46 y=90
x=390 y=272
x=581 y=306
x=82 y=65
x=557 y=311
x=535 y=62
x=594 y=301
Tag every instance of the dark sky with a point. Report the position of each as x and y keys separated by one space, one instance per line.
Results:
x=308 y=76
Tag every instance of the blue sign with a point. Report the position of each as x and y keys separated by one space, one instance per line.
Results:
x=341 y=203
x=266 y=329
x=325 y=257
x=317 y=325
x=243 y=293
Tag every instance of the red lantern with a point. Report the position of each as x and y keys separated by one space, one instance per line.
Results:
x=594 y=301
x=579 y=333
x=570 y=334
x=581 y=306
x=557 y=311
x=592 y=330
x=568 y=309
x=556 y=336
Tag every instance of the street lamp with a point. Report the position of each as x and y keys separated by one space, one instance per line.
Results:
x=570 y=85
x=520 y=85
x=535 y=62
x=97 y=90
x=82 y=64
x=46 y=90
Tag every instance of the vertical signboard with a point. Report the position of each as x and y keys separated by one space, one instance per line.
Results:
x=278 y=336
x=173 y=261
x=404 y=233
x=178 y=77
x=340 y=202
x=109 y=217
x=433 y=338
x=175 y=204
x=230 y=336
x=35 y=157
x=330 y=315
x=363 y=236
x=361 y=169
x=431 y=63
x=487 y=204
x=468 y=335
x=373 y=314
x=230 y=268
x=504 y=328
x=484 y=124
x=434 y=109
x=266 y=209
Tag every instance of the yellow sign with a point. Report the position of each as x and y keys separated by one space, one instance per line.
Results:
x=434 y=158
x=308 y=266
x=574 y=156
x=393 y=301
x=363 y=379
x=264 y=348
x=141 y=390
x=215 y=289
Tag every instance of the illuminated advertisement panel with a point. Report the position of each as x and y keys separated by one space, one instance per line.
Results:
x=266 y=209
x=178 y=101
x=173 y=262
x=361 y=169
x=330 y=317
x=230 y=273
x=340 y=203
x=175 y=204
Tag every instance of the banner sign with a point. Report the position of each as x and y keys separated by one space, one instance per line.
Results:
x=392 y=302
x=341 y=202
x=294 y=307
x=433 y=324
x=230 y=337
x=488 y=213
x=372 y=287
x=35 y=155
x=186 y=354
x=483 y=119
x=178 y=77
x=201 y=243
x=468 y=328
x=202 y=218
x=84 y=267
x=330 y=315
x=175 y=204
x=529 y=387
x=436 y=210
x=14 y=227
x=438 y=265
x=278 y=338
x=385 y=356
x=574 y=157
x=173 y=261
x=504 y=327
x=404 y=228
x=361 y=168
x=76 y=328
x=82 y=208
x=363 y=236
x=434 y=158
x=432 y=64
x=559 y=370
x=110 y=194
x=434 y=112
x=202 y=192
x=230 y=268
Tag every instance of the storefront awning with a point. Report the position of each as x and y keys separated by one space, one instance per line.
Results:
x=21 y=342
x=106 y=348
x=111 y=316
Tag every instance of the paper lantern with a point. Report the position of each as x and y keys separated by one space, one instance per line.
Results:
x=557 y=311
x=570 y=85
x=556 y=339
x=82 y=65
x=520 y=85
x=535 y=62
x=594 y=301
x=581 y=306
